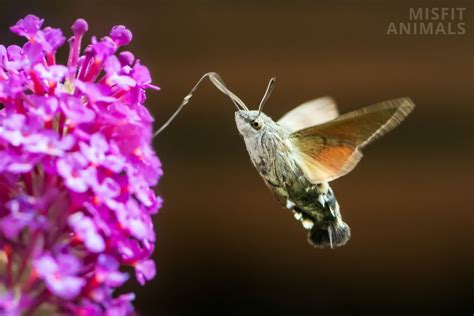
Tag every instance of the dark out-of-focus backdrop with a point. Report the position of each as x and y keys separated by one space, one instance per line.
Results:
x=225 y=245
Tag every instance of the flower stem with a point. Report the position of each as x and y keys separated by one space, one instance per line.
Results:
x=42 y=298
x=26 y=256
x=9 y=253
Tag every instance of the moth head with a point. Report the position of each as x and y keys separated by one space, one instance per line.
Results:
x=251 y=123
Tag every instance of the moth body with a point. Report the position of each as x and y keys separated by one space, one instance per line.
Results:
x=271 y=153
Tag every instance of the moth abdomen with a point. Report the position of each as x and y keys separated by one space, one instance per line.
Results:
x=317 y=209
x=335 y=235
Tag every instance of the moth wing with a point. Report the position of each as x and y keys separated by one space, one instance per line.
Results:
x=314 y=112
x=324 y=160
x=328 y=151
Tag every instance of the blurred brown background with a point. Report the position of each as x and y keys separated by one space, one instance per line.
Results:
x=225 y=245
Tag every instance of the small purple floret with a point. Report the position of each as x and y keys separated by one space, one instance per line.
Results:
x=28 y=26
x=126 y=58
x=121 y=35
x=79 y=27
x=60 y=274
x=145 y=271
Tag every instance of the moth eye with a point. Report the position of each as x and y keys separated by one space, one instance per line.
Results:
x=256 y=125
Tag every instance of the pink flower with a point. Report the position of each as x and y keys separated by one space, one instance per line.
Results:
x=76 y=172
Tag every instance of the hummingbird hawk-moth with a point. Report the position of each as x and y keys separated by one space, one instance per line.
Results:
x=298 y=155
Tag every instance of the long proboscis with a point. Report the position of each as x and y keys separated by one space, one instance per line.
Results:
x=219 y=83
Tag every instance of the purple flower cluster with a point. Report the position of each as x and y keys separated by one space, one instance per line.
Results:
x=76 y=173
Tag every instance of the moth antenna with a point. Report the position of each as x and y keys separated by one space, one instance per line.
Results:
x=219 y=83
x=268 y=92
